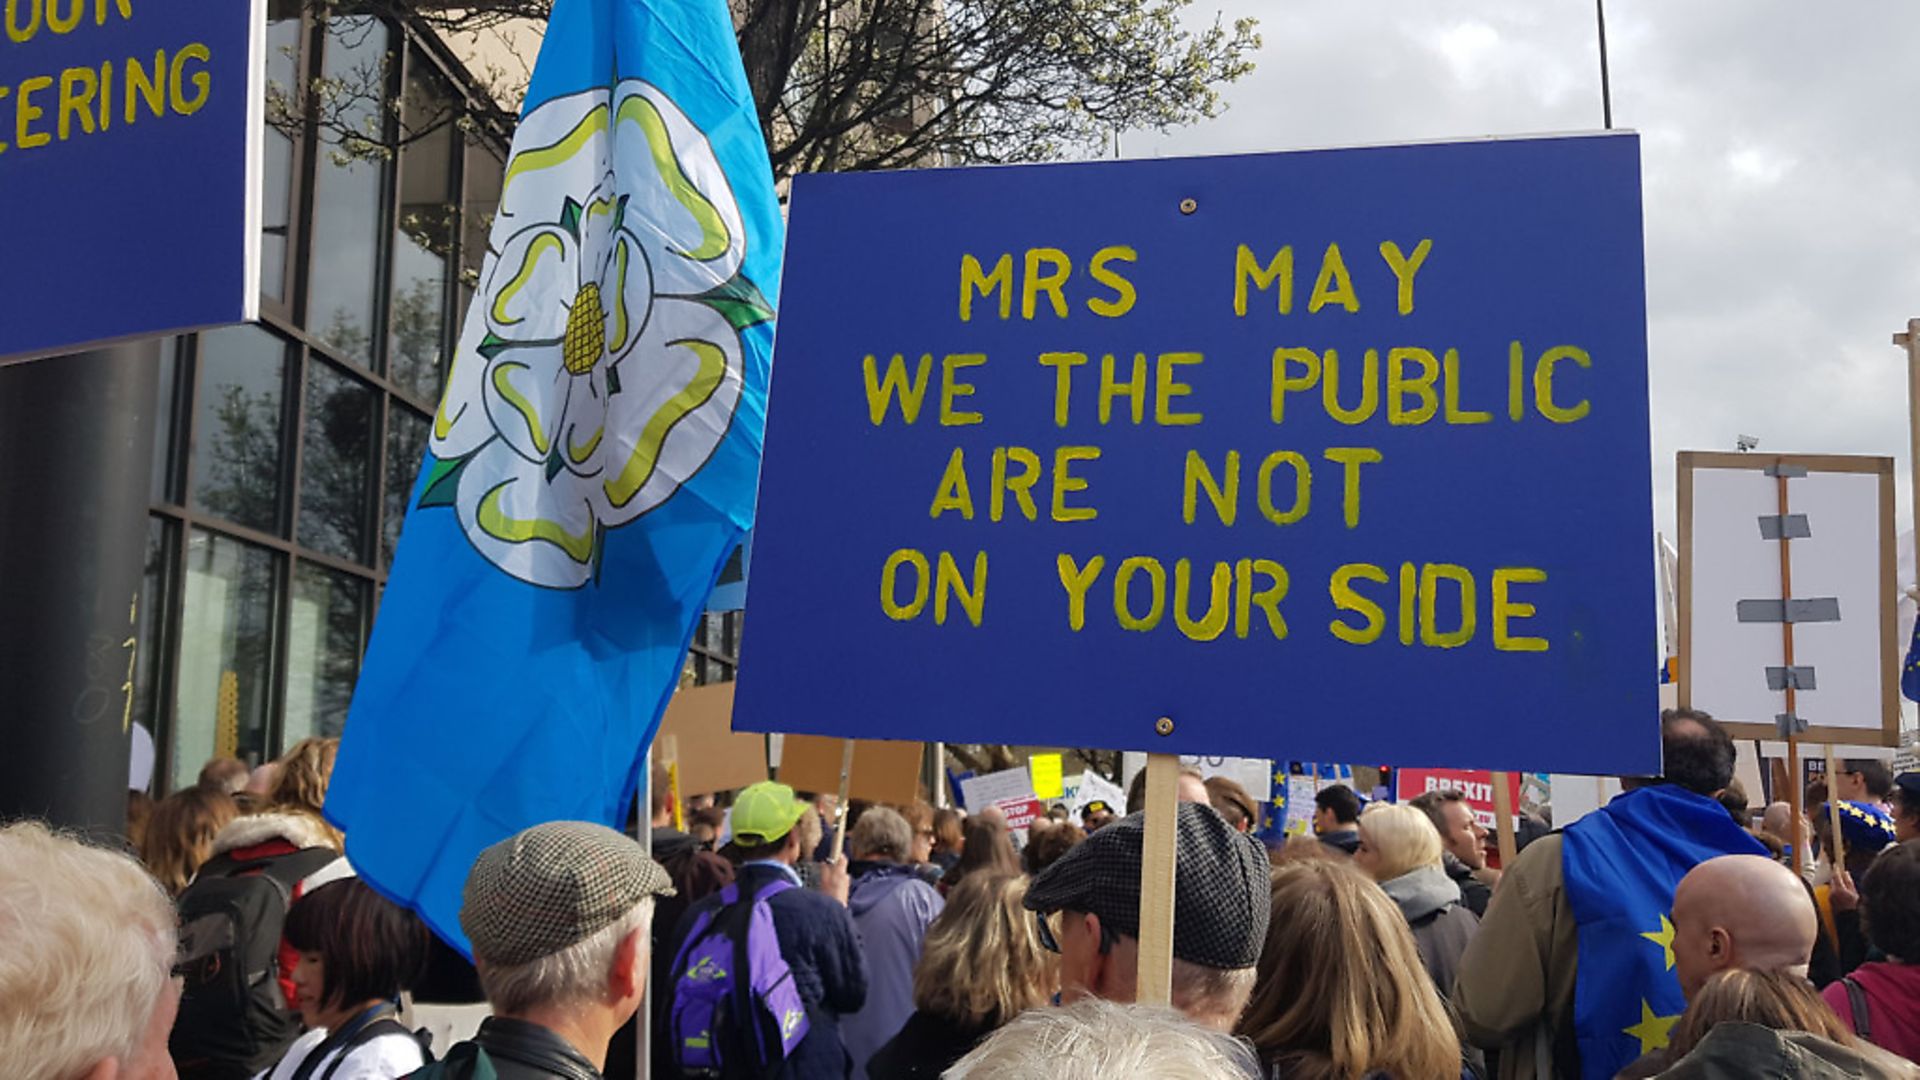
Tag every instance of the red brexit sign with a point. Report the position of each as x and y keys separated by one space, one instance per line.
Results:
x=1475 y=784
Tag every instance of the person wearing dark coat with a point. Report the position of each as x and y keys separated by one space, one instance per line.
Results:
x=816 y=933
x=1464 y=841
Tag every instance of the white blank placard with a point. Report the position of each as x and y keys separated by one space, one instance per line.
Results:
x=1730 y=561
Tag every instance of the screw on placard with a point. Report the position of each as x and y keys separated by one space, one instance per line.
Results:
x=1164 y=725
x=1187 y=206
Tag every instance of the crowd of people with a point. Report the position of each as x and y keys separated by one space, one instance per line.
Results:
x=1673 y=933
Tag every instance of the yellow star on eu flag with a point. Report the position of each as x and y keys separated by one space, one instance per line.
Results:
x=1654 y=1032
x=1663 y=937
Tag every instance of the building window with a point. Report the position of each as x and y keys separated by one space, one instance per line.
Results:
x=325 y=632
x=336 y=467
x=406 y=448
x=238 y=423
x=277 y=151
x=349 y=186
x=423 y=236
x=224 y=686
x=285 y=451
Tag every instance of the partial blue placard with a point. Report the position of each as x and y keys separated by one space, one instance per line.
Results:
x=129 y=169
x=1496 y=441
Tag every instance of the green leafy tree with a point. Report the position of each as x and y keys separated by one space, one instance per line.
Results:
x=844 y=85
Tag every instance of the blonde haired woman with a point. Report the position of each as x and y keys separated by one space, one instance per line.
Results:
x=1341 y=992
x=982 y=965
x=1400 y=849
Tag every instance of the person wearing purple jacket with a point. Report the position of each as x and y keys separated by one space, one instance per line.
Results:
x=892 y=908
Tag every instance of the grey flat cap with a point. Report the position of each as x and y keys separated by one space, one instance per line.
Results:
x=551 y=886
x=1222 y=894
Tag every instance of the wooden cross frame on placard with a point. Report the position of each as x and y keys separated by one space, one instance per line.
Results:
x=1734 y=700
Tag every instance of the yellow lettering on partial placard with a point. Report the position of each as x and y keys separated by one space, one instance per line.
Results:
x=182 y=104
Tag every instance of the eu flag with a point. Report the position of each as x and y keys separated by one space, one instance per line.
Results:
x=1910 y=671
x=593 y=460
x=1622 y=866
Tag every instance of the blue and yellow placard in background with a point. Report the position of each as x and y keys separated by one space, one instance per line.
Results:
x=1349 y=445
x=129 y=177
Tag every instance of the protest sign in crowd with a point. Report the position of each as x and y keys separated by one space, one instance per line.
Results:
x=1344 y=448
x=1674 y=933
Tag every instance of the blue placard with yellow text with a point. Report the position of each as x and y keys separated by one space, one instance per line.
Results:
x=1346 y=449
x=130 y=136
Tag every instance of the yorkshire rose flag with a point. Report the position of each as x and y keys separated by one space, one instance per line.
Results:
x=593 y=461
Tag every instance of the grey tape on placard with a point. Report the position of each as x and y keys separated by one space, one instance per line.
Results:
x=1788 y=471
x=1784 y=527
x=1797 y=677
x=1787 y=724
x=1815 y=609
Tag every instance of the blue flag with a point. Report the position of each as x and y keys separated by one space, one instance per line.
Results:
x=1622 y=866
x=592 y=463
x=1910 y=671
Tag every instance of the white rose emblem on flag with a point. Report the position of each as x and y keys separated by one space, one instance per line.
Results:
x=601 y=362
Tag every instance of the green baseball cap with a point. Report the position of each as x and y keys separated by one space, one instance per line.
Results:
x=765 y=812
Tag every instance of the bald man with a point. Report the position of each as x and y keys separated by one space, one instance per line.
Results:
x=1740 y=911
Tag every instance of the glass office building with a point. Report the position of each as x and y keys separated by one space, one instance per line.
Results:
x=285 y=450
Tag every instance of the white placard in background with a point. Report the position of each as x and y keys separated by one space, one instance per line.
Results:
x=1729 y=561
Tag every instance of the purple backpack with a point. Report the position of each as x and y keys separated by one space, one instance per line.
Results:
x=736 y=1011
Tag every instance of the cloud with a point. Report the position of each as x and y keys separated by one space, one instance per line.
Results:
x=1781 y=178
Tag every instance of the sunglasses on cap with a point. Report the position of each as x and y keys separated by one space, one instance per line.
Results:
x=1052 y=944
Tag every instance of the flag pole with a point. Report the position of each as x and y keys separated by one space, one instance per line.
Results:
x=1606 y=80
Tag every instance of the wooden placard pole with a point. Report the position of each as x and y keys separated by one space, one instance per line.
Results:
x=840 y=808
x=1155 y=980
x=1796 y=799
x=1786 y=648
x=1838 y=856
x=1503 y=821
x=1910 y=341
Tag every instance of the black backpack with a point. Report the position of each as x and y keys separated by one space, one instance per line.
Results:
x=234 y=1020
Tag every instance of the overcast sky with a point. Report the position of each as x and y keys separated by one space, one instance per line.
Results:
x=1781 y=154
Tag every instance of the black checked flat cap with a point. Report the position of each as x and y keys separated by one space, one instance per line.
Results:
x=1221 y=888
x=551 y=886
